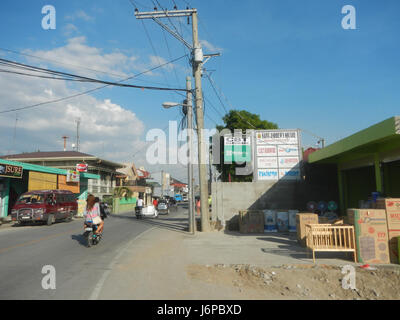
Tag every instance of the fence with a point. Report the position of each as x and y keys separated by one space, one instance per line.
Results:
x=327 y=237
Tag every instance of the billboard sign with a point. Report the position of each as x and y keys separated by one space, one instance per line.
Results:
x=267 y=151
x=267 y=162
x=237 y=148
x=10 y=171
x=277 y=155
x=267 y=174
x=277 y=137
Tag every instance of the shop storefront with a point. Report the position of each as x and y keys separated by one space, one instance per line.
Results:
x=367 y=161
x=17 y=178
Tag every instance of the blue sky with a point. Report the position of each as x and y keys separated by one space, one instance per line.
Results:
x=289 y=61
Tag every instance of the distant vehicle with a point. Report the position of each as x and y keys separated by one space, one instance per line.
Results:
x=163 y=207
x=178 y=197
x=148 y=211
x=185 y=197
x=46 y=206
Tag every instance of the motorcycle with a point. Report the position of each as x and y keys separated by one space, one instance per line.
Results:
x=90 y=235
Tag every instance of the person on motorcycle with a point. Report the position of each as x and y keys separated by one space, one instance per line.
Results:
x=92 y=213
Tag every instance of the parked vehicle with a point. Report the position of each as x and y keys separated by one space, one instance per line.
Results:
x=163 y=207
x=91 y=237
x=46 y=206
x=148 y=211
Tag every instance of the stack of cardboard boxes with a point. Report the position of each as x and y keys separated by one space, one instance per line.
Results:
x=377 y=231
x=392 y=208
x=371 y=233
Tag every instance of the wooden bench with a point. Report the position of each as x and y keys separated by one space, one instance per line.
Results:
x=331 y=238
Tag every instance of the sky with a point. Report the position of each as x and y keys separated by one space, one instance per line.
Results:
x=290 y=61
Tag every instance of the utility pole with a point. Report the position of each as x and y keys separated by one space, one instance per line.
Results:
x=189 y=108
x=197 y=63
x=78 y=122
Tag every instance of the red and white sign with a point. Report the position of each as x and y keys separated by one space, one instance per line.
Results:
x=288 y=162
x=265 y=151
x=82 y=167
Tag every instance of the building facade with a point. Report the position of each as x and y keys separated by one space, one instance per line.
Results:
x=67 y=160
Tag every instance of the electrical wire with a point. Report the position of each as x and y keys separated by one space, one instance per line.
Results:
x=86 y=92
x=87 y=79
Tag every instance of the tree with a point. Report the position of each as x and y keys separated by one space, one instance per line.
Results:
x=122 y=192
x=239 y=119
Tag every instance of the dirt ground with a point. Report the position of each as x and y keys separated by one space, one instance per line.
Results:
x=301 y=282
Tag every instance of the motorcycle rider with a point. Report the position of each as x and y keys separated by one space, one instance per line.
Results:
x=92 y=213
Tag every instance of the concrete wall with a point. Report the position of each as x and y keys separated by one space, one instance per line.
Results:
x=317 y=184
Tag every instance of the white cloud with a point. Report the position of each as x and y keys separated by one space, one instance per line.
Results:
x=80 y=14
x=106 y=127
x=77 y=53
x=210 y=48
x=69 y=29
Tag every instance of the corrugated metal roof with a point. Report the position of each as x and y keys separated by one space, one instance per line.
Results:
x=48 y=154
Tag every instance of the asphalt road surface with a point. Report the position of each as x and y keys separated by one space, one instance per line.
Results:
x=79 y=270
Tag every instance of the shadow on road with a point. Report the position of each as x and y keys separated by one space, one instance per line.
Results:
x=80 y=239
x=173 y=224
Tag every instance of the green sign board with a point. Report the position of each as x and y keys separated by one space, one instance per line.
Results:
x=237 y=149
x=10 y=171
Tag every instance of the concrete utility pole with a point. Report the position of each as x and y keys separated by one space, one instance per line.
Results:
x=189 y=108
x=78 y=122
x=197 y=62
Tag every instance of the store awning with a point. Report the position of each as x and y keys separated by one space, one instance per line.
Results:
x=37 y=168
x=381 y=140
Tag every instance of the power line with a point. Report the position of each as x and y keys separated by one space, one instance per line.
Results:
x=87 y=79
x=86 y=92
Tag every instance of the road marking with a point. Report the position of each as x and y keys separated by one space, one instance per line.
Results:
x=99 y=286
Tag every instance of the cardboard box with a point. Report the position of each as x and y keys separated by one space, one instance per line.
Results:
x=394 y=246
x=251 y=221
x=389 y=204
x=392 y=207
x=302 y=219
x=371 y=233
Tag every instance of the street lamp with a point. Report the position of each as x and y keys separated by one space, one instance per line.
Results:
x=188 y=105
x=168 y=105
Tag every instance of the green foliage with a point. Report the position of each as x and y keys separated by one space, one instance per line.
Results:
x=239 y=119
x=242 y=119
x=122 y=192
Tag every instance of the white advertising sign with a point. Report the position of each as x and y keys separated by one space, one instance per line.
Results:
x=288 y=150
x=237 y=141
x=267 y=162
x=288 y=162
x=277 y=137
x=266 y=151
x=267 y=174
x=289 y=174
x=72 y=176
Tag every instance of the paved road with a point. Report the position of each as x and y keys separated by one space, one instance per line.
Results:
x=79 y=270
